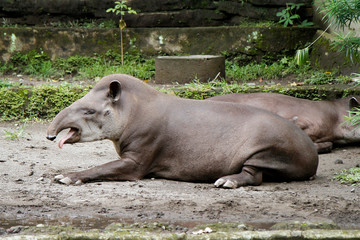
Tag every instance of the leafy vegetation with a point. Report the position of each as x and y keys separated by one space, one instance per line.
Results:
x=16 y=134
x=289 y=17
x=354 y=117
x=40 y=102
x=38 y=65
x=341 y=14
x=44 y=102
x=349 y=176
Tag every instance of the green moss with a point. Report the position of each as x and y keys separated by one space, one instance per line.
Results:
x=297 y=230
x=296 y=225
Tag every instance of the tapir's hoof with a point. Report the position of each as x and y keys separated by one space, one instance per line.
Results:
x=62 y=179
x=66 y=180
x=225 y=183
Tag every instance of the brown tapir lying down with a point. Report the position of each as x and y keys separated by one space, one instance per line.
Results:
x=159 y=135
x=323 y=121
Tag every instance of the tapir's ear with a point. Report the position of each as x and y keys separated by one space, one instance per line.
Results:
x=354 y=103
x=115 y=91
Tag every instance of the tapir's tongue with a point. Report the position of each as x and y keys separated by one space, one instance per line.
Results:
x=68 y=135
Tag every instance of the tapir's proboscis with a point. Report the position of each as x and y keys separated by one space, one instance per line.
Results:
x=324 y=121
x=162 y=136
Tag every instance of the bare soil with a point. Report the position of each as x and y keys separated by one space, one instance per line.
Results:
x=29 y=196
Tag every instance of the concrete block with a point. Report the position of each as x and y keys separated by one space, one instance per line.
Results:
x=184 y=69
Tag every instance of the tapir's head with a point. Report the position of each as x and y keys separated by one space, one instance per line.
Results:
x=351 y=132
x=93 y=117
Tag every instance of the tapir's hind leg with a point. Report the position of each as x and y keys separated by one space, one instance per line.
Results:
x=248 y=176
x=324 y=147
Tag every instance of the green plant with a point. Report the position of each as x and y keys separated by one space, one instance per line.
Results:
x=319 y=78
x=288 y=16
x=121 y=8
x=349 y=44
x=349 y=176
x=15 y=134
x=341 y=14
x=39 y=65
x=354 y=117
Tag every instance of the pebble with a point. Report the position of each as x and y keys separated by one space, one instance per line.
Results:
x=40 y=179
x=352 y=190
x=339 y=161
x=15 y=229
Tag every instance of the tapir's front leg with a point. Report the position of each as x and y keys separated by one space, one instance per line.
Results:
x=123 y=169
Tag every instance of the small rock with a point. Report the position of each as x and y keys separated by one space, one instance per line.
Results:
x=352 y=190
x=40 y=179
x=339 y=161
x=206 y=230
x=15 y=229
x=242 y=227
x=40 y=225
x=20 y=181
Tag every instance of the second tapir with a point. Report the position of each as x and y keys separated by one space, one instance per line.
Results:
x=324 y=121
x=163 y=136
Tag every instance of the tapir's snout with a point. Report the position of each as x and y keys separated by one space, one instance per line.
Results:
x=51 y=132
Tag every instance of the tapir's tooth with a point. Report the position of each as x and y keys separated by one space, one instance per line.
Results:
x=58 y=177
x=66 y=181
x=219 y=182
x=229 y=184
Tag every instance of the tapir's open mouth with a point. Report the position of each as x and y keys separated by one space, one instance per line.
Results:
x=72 y=136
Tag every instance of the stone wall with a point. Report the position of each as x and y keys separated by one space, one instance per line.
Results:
x=249 y=42
x=151 y=13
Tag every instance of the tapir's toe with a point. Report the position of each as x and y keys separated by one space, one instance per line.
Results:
x=62 y=179
x=221 y=182
x=59 y=177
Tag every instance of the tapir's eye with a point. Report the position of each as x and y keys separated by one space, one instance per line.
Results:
x=89 y=112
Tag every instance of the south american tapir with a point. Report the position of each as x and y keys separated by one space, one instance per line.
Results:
x=158 y=135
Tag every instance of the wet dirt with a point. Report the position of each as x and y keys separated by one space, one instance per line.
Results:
x=29 y=196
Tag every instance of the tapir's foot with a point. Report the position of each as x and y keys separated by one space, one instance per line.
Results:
x=324 y=147
x=248 y=176
x=68 y=180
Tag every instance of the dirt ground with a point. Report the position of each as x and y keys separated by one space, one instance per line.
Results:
x=29 y=196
